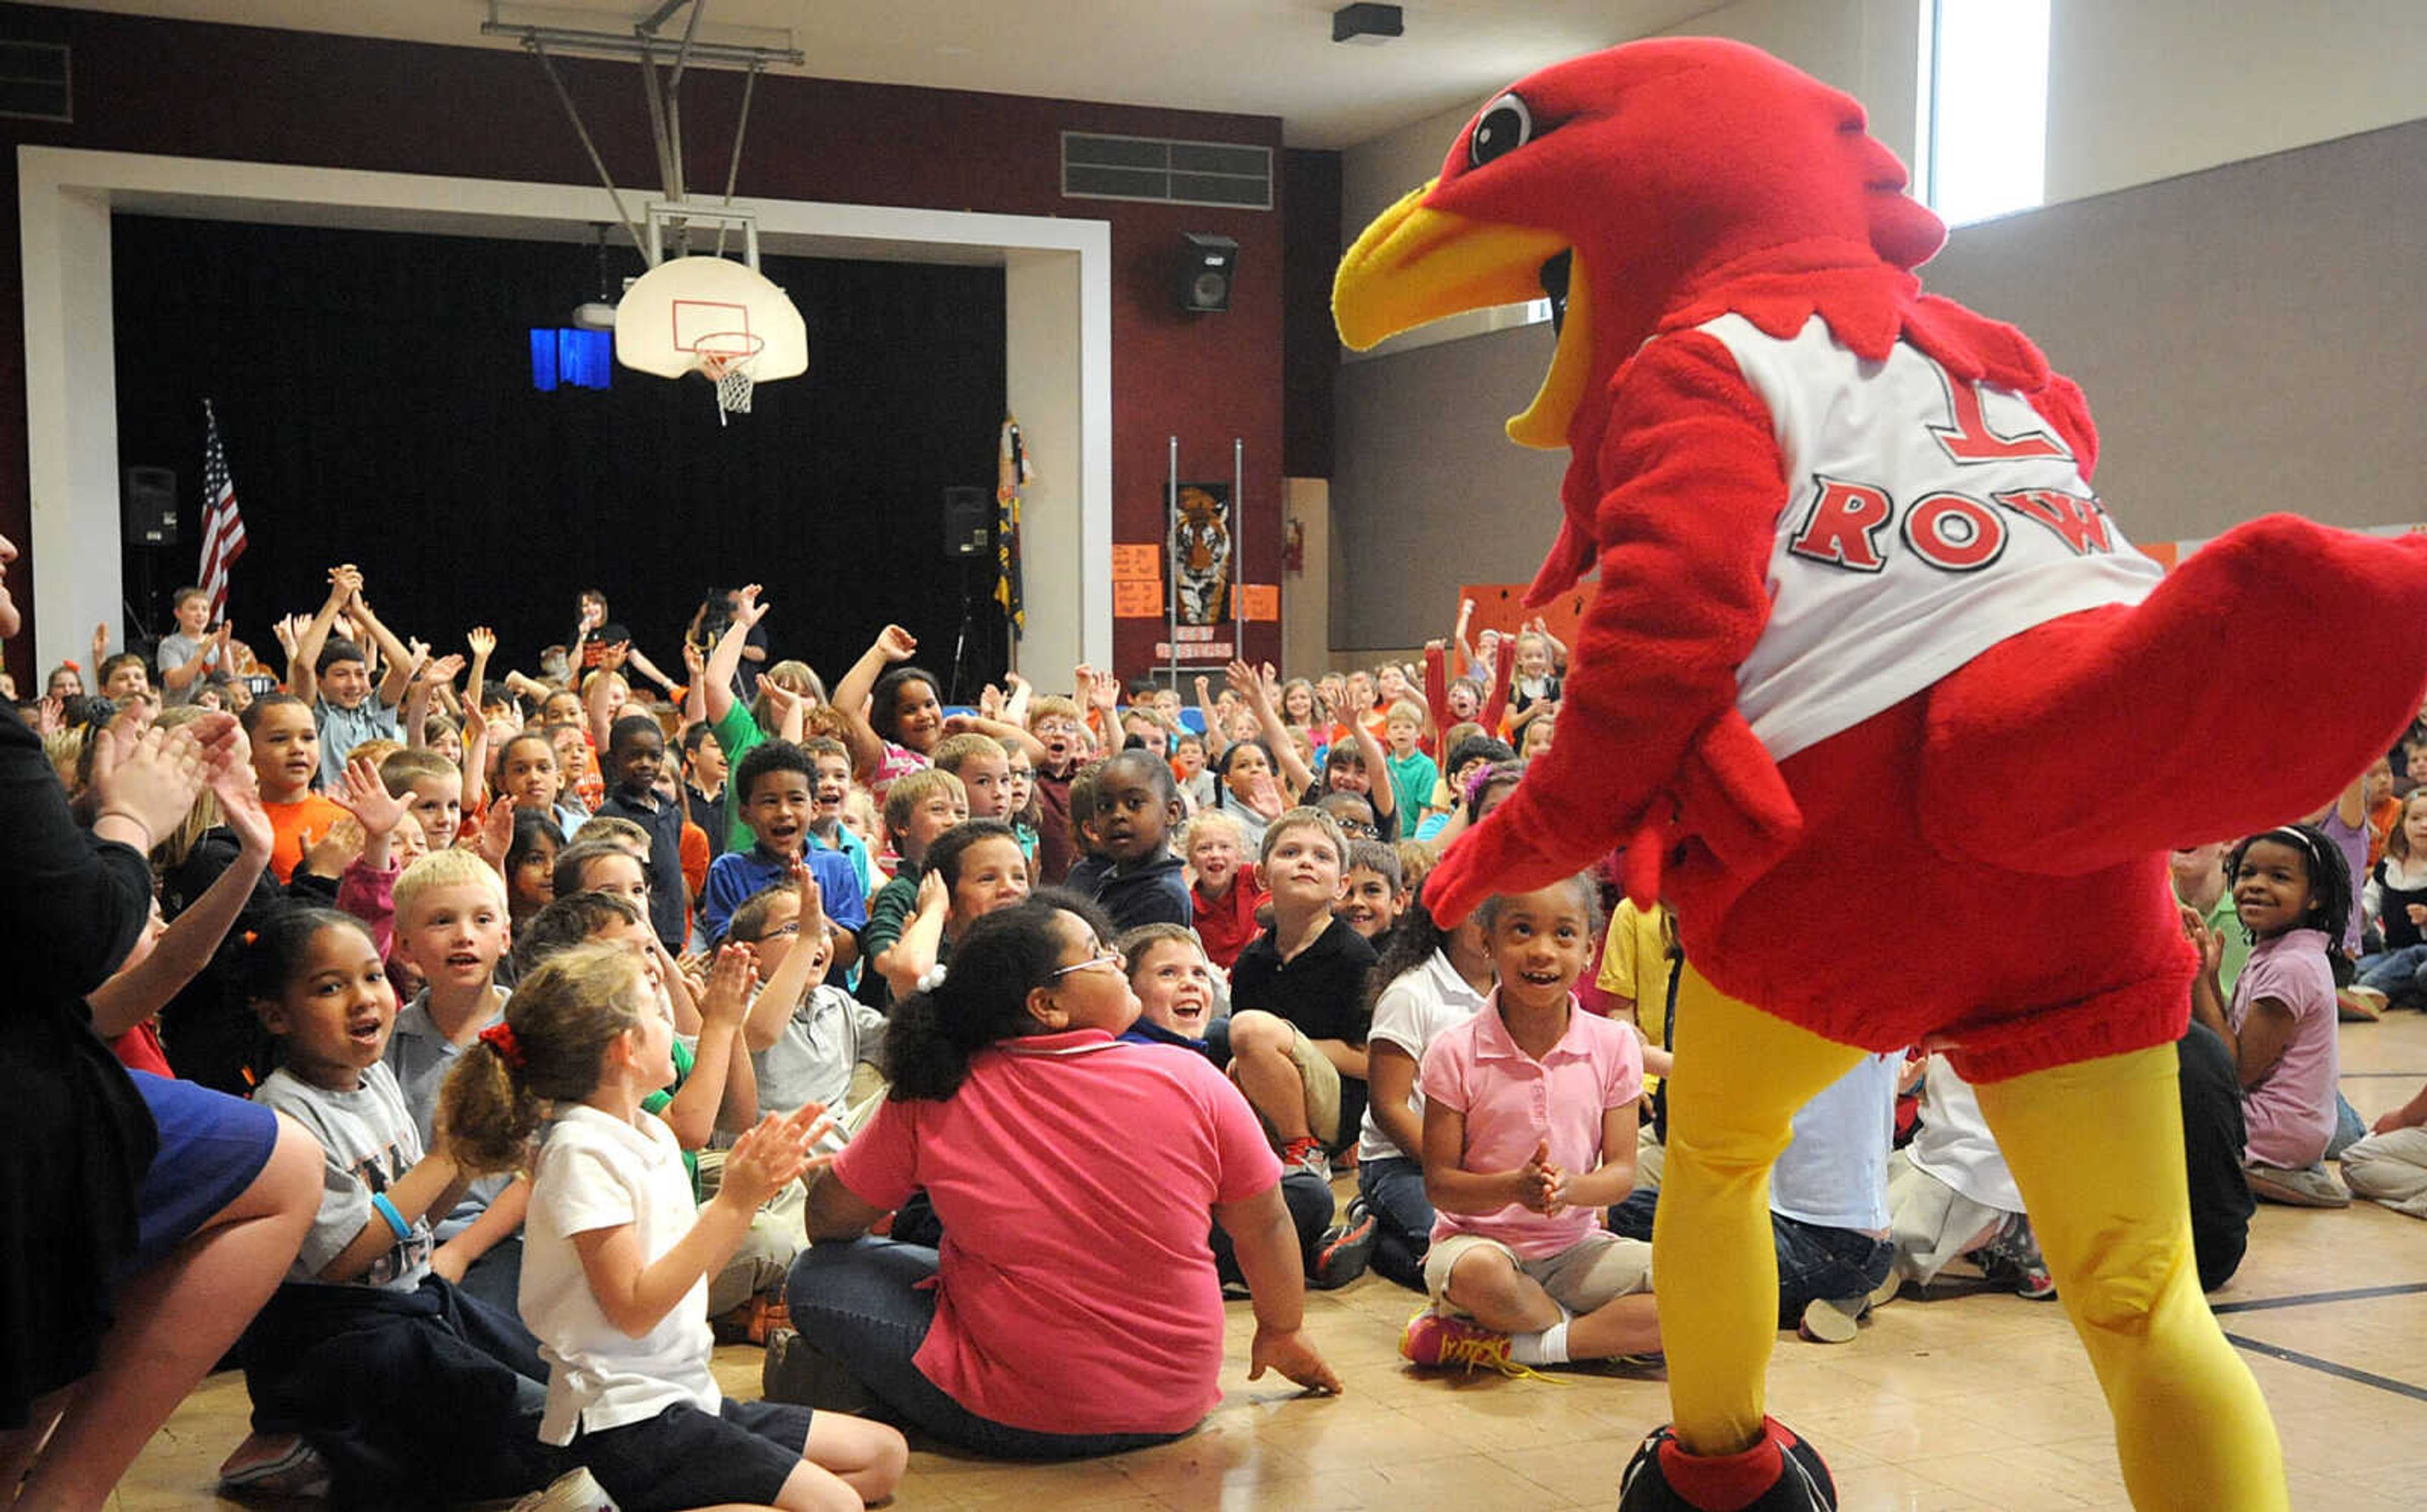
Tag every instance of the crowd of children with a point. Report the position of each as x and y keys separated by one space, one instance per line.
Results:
x=623 y=1026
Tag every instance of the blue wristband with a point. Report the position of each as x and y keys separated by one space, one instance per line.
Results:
x=387 y=1210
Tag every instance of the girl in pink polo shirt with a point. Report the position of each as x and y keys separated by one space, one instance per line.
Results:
x=1530 y=1133
x=1073 y=1307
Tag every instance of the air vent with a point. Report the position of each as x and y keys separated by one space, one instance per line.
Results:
x=34 y=81
x=1174 y=172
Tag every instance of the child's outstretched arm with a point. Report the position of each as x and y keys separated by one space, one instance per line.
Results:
x=1257 y=689
x=636 y=1292
x=1504 y=675
x=724 y=662
x=1265 y=1245
x=402 y=665
x=803 y=965
x=1383 y=793
x=694 y=1112
x=1216 y=737
x=303 y=660
x=893 y=644
x=194 y=937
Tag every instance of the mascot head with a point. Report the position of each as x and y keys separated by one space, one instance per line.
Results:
x=1631 y=182
x=1656 y=183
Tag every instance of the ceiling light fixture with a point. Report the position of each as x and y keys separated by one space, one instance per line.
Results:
x=1367 y=25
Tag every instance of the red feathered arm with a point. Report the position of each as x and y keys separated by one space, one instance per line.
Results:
x=1649 y=730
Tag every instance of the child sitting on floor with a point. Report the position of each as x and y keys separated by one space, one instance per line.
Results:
x=399 y=1384
x=2291 y=892
x=619 y=1256
x=1530 y=1132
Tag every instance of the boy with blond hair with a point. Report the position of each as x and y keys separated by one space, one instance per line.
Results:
x=1056 y=723
x=452 y=929
x=918 y=806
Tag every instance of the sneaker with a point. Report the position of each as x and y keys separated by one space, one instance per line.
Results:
x=1833 y=1320
x=2359 y=1005
x=1347 y=1248
x=809 y=1378
x=1434 y=1340
x=276 y=1463
x=1888 y=1291
x=573 y=1491
x=1779 y=1474
x=2312 y=1188
x=1307 y=1155
x=2013 y=1259
x=752 y=1322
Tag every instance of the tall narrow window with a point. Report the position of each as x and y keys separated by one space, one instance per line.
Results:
x=1988 y=106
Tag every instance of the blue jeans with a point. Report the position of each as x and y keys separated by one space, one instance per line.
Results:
x=2401 y=974
x=857 y=1303
x=1812 y=1261
x=2350 y=1128
x=1394 y=1190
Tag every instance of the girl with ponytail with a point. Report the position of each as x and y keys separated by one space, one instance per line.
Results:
x=1076 y=1310
x=616 y=1256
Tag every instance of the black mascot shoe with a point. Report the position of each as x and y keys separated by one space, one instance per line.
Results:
x=1780 y=1474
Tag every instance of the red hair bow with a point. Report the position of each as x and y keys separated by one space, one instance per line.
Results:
x=500 y=1037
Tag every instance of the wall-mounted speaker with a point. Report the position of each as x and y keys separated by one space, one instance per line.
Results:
x=151 y=504
x=968 y=515
x=1208 y=264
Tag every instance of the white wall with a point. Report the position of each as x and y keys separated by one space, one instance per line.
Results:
x=1868 y=48
x=2150 y=89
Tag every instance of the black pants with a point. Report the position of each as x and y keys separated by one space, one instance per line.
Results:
x=414 y=1397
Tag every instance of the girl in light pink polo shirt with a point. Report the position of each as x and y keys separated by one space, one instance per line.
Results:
x=1530 y=1114
x=2292 y=892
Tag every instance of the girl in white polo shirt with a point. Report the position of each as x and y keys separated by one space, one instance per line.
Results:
x=616 y=1256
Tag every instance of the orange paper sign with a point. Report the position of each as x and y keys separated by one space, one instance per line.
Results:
x=1137 y=598
x=1259 y=601
x=1132 y=562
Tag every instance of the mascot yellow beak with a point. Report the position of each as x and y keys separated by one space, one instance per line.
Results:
x=1415 y=265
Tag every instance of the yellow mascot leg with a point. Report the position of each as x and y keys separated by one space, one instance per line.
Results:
x=1740 y=1079
x=2097 y=1148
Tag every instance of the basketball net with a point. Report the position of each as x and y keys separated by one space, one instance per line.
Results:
x=725 y=359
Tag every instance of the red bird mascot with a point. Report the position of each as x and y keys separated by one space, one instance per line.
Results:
x=1883 y=705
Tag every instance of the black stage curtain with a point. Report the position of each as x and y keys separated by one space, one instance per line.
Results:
x=374 y=394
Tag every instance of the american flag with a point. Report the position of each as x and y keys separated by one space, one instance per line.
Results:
x=223 y=526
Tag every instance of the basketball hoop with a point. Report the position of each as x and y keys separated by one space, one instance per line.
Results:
x=724 y=358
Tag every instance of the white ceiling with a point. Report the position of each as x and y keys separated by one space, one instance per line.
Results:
x=1267 y=57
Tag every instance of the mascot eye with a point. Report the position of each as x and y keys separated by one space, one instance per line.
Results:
x=1505 y=125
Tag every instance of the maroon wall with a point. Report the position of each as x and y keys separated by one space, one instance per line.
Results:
x=199 y=91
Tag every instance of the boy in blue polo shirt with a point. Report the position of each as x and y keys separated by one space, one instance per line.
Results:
x=773 y=794
x=333 y=676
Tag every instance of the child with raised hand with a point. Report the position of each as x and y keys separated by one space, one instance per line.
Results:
x=1529 y=1131
x=404 y=1386
x=286 y=752
x=917 y=808
x=1055 y=724
x=807 y=1038
x=188 y=655
x=618 y=1255
x=1429 y=979
x=333 y=676
x=2291 y=894
x=366 y=886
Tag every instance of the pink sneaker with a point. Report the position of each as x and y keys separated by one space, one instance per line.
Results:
x=1432 y=1340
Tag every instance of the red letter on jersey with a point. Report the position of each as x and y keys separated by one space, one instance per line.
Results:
x=2079 y=523
x=1954 y=532
x=1970 y=440
x=1842 y=527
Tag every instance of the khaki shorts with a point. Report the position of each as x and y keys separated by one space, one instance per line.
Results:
x=1320 y=1082
x=1584 y=1277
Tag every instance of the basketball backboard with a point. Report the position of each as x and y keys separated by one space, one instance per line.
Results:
x=666 y=312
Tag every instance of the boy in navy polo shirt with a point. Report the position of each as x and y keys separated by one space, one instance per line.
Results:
x=773 y=795
x=636 y=754
x=1297 y=997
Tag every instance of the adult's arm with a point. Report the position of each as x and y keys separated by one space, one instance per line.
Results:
x=1266 y=1245
x=69 y=909
x=834 y=1211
